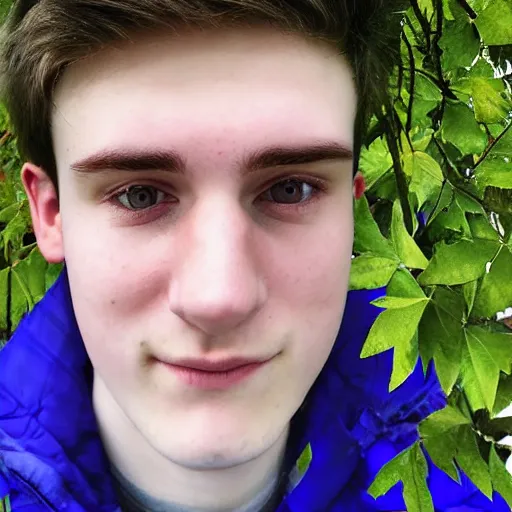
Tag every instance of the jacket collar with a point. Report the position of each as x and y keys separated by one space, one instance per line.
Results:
x=49 y=438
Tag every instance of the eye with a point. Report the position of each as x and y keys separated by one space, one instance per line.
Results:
x=289 y=192
x=140 y=197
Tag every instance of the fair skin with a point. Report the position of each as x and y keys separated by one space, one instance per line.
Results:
x=216 y=264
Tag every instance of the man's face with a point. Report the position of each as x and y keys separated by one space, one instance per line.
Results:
x=206 y=208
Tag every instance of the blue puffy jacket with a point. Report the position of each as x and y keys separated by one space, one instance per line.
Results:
x=51 y=455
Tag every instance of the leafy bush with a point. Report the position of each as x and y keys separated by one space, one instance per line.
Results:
x=435 y=227
x=436 y=230
x=24 y=274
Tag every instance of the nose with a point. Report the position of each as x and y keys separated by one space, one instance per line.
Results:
x=215 y=284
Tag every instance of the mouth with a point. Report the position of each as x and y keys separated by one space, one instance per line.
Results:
x=214 y=375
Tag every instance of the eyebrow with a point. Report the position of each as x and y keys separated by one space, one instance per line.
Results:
x=171 y=161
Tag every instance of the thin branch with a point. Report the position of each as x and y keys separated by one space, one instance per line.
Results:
x=412 y=83
x=453 y=168
x=437 y=57
x=402 y=129
x=400 y=80
x=443 y=85
x=472 y=14
x=438 y=200
x=425 y=25
x=401 y=180
x=485 y=154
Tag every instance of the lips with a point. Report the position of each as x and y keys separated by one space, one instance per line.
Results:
x=207 y=374
x=224 y=365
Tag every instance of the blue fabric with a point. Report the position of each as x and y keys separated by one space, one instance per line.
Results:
x=52 y=457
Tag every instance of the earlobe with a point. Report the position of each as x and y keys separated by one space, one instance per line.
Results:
x=44 y=209
x=359 y=186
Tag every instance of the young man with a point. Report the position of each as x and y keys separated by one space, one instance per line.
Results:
x=191 y=162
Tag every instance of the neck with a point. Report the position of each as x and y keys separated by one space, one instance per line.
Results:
x=153 y=475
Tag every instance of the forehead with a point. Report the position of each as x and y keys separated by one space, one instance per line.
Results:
x=203 y=91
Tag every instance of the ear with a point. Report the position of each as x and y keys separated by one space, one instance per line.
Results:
x=45 y=212
x=359 y=185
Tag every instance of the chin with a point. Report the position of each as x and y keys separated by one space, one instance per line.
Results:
x=214 y=449
x=215 y=457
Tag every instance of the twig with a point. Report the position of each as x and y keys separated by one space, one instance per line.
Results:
x=485 y=154
x=400 y=177
x=425 y=24
x=472 y=14
x=412 y=83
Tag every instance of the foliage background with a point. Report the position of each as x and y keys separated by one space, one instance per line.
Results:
x=435 y=227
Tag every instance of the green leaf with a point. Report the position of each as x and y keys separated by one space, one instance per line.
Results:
x=479 y=5
x=410 y=467
x=469 y=290
x=459 y=43
x=367 y=235
x=5 y=6
x=444 y=200
x=495 y=23
x=403 y=284
x=494 y=173
x=496 y=169
x=440 y=437
x=470 y=461
x=489 y=353
x=421 y=139
x=304 y=460
x=461 y=129
x=368 y=272
x=481 y=228
x=404 y=243
x=441 y=335
x=405 y=357
x=403 y=322
x=32 y=270
x=426 y=8
x=458 y=263
x=442 y=450
x=388 y=302
x=470 y=383
x=488 y=97
x=21 y=300
x=427 y=90
x=450 y=215
x=454 y=219
x=443 y=420
x=503 y=395
x=427 y=97
x=426 y=176
x=375 y=161
x=417 y=496
x=501 y=478
x=447 y=9
x=390 y=474
x=468 y=204
x=495 y=293
x=8 y=213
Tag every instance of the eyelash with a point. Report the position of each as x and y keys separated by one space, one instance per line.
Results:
x=318 y=185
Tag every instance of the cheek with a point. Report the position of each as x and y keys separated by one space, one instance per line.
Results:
x=312 y=269
x=314 y=281
x=117 y=281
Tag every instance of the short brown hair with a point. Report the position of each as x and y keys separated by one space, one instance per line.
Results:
x=41 y=37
